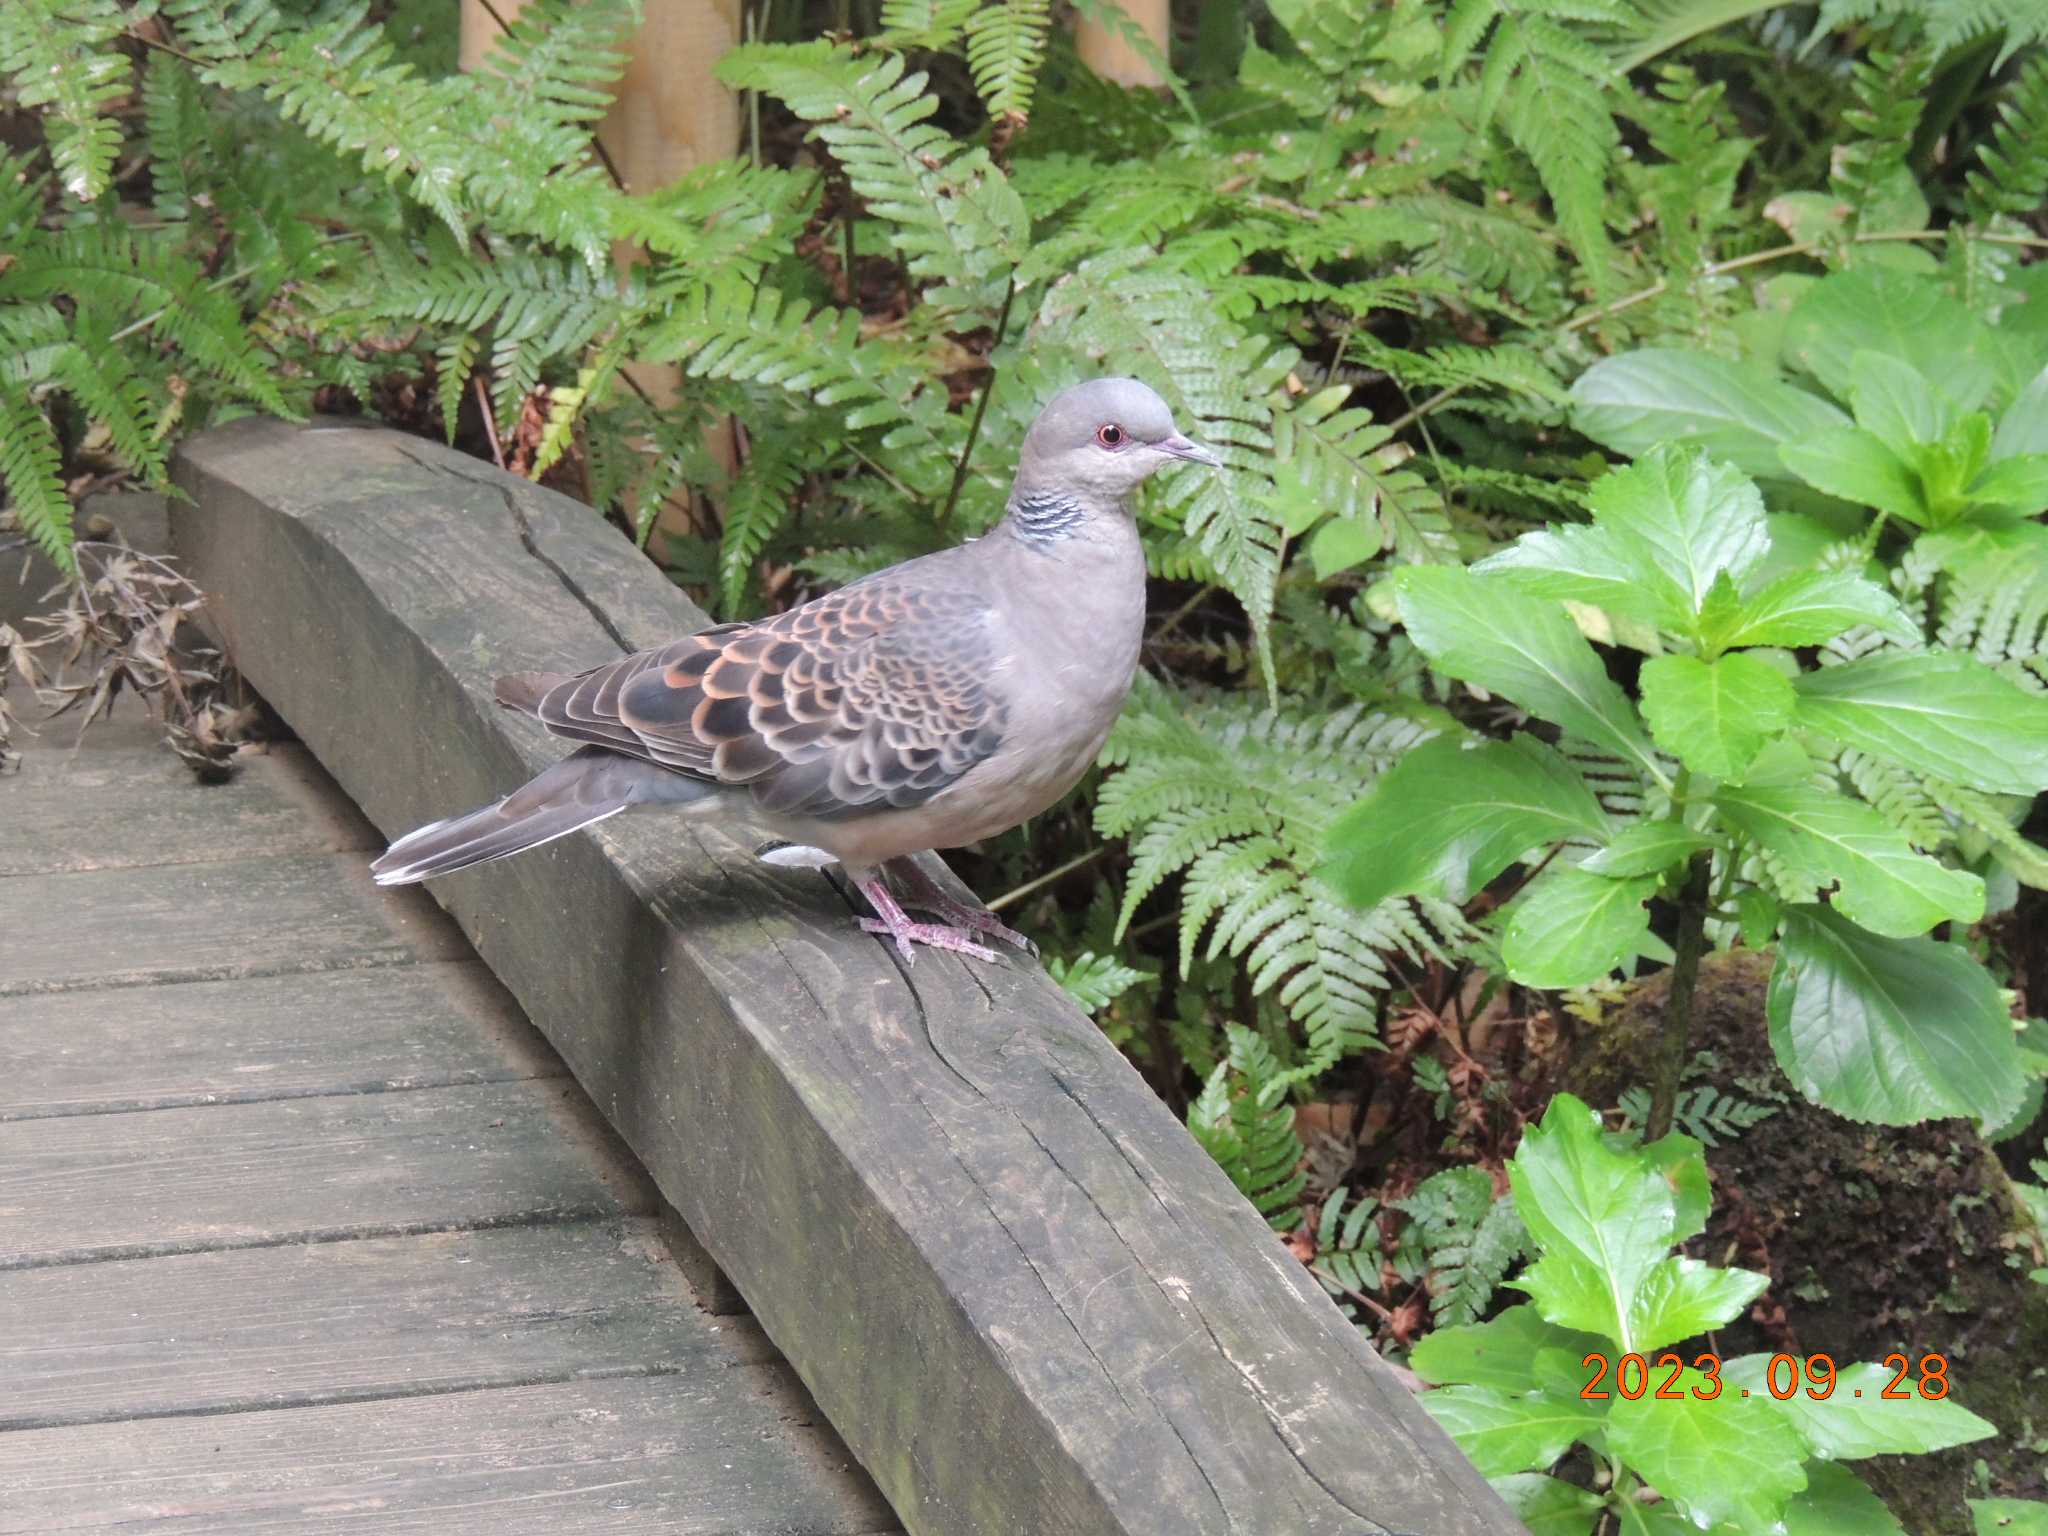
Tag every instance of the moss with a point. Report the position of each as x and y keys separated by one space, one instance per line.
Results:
x=1877 y=1239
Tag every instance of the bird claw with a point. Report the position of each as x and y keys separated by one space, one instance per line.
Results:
x=935 y=935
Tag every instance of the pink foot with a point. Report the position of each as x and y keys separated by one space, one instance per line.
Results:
x=924 y=893
x=896 y=924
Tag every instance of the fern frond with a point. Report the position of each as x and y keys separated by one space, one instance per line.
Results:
x=958 y=220
x=2011 y=177
x=55 y=53
x=1898 y=795
x=1005 y=50
x=756 y=505
x=1562 y=125
x=932 y=24
x=1243 y=1120
x=32 y=467
x=1890 y=91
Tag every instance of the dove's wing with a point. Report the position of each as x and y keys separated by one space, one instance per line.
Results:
x=874 y=697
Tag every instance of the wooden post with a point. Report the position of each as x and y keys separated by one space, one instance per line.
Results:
x=1111 y=57
x=669 y=116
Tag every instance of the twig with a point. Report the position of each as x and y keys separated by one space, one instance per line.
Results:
x=1688 y=944
x=981 y=405
x=1360 y=1297
x=1011 y=896
x=1172 y=620
x=483 y=399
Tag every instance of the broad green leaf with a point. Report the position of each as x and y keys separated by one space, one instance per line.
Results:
x=1715 y=716
x=1850 y=463
x=1683 y=1297
x=1549 y=1506
x=1938 y=713
x=1891 y=1031
x=1647 y=848
x=1838 y=1503
x=1663 y=531
x=1894 y=400
x=2018 y=484
x=1855 y=1419
x=2024 y=426
x=1683 y=1163
x=1445 y=819
x=1807 y=607
x=1505 y=1432
x=1495 y=1353
x=1738 y=412
x=1593 y=1209
x=1724 y=1459
x=1523 y=648
x=1950 y=467
x=2009 y=1517
x=1342 y=543
x=1569 y=928
x=1829 y=839
x=1758 y=912
x=1899 y=314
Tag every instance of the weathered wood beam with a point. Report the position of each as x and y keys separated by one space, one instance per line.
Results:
x=1025 y=1297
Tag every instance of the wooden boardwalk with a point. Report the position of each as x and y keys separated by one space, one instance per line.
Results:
x=303 y=1228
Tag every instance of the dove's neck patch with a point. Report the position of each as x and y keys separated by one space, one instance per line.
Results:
x=1045 y=516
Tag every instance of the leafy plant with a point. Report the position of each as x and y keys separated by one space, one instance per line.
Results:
x=1732 y=753
x=1599 y=1357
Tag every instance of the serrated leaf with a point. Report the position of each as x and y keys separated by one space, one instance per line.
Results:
x=1898 y=314
x=1549 y=1506
x=1664 y=531
x=1602 y=1220
x=1895 y=401
x=1889 y=1030
x=1937 y=713
x=1683 y=1297
x=1715 y=716
x=2017 y=484
x=1570 y=928
x=1831 y=840
x=1523 y=648
x=1806 y=608
x=1647 y=848
x=1445 y=820
x=1855 y=465
x=1723 y=1460
x=1495 y=1353
x=1504 y=1433
x=1837 y=1503
x=1856 y=1419
x=1738 y=412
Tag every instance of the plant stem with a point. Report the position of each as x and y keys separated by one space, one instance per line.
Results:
x=981 y=405
x=1689 y=944
x=1020 y=892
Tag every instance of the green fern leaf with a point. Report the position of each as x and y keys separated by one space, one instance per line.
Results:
x=1005 y=49
x=54 y=51
x=31 y=465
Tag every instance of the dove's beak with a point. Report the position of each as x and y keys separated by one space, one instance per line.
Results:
x=1181 y=448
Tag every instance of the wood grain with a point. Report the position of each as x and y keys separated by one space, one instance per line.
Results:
x=60 y=809
x=719 y=1452
x=271 y=1037
x=203 y=922
x=1024 y=1295
x=96 y=1187
x=342 y=1321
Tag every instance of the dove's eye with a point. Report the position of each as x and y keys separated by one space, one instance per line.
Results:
x=1110 y=435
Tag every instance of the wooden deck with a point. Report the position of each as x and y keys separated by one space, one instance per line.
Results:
x=303 y=1228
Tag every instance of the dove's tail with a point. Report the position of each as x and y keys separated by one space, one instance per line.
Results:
x=585 y=787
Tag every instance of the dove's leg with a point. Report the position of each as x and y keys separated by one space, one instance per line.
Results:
x=895 y=922
x=923 y=893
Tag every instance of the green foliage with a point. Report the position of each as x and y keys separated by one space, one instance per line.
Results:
x=1598 y=1355
x=1866 y=1016
x=1243 y=1120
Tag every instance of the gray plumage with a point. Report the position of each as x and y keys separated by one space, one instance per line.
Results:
x=926 y=706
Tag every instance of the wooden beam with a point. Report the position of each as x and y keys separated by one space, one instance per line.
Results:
x=1025 y=1297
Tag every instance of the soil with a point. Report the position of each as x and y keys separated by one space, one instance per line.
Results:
x=1878 y=1239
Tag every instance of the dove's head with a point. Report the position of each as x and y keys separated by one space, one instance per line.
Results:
x=1102 y=439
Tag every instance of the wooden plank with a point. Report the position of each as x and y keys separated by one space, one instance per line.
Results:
x=727 y=1451
x=270 y=1037
x=204 y=922
x=348 y=1321
x=61 y=811
x=1024 y=1295
x=92 y=1187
